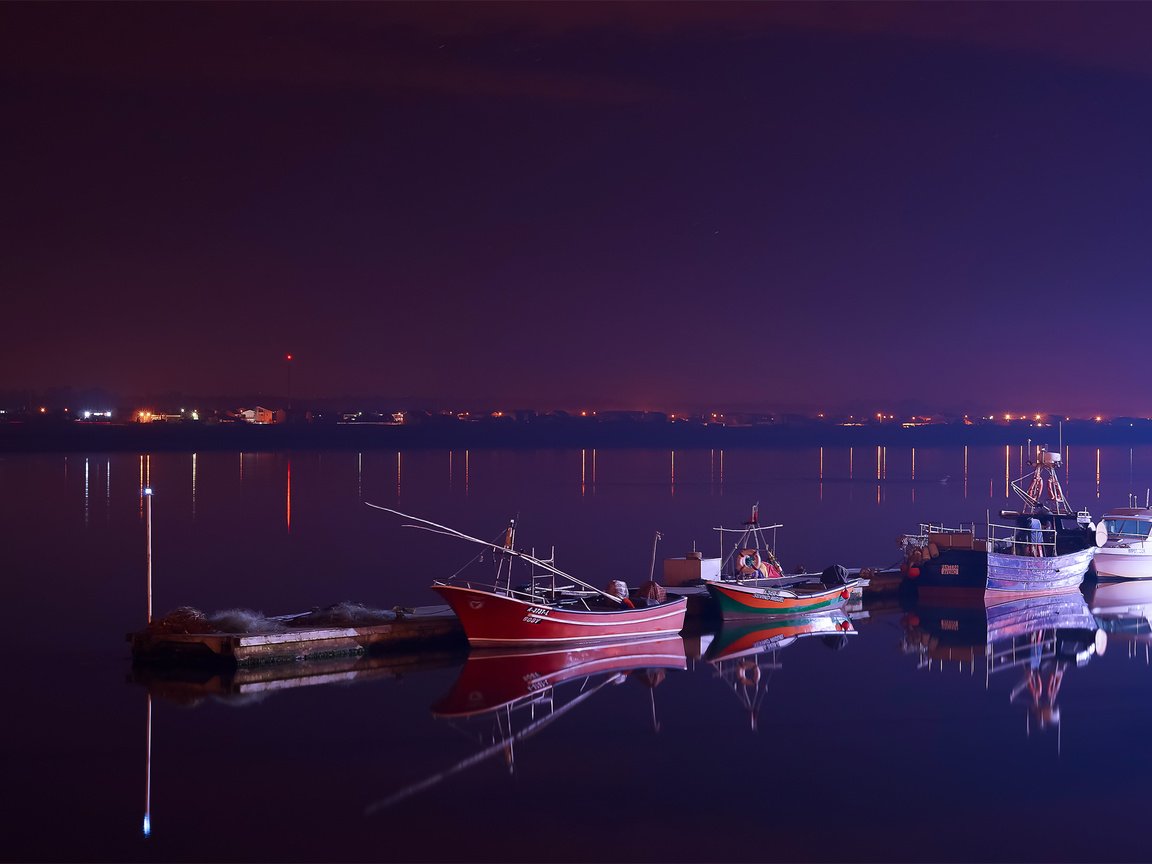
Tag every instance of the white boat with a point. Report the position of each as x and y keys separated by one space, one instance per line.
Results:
x=1127 y=553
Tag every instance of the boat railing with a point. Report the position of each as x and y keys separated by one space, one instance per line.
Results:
x=1027 y=651
x=927 y=528
x=1018 y=540
x=1128 y=536
x=1127 y=529
x=930 y=530
x=534 y=594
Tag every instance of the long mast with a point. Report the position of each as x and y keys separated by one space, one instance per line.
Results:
x=437 y=528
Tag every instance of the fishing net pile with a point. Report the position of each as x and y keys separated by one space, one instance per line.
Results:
x=188 y=619
x=344 y=614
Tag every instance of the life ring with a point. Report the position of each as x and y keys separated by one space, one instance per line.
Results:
x=748 y=674
x=748 y=562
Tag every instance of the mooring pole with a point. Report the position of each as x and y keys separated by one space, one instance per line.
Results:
x=148 y=531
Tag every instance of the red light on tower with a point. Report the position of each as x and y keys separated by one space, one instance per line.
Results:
x=288 y=357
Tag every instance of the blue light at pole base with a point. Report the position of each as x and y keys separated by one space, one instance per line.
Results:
x=148 y=490
x=147 y=825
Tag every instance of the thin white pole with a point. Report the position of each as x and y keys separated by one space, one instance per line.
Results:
x=148 y=529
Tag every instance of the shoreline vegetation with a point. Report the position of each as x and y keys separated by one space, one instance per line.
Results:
x=32 y=436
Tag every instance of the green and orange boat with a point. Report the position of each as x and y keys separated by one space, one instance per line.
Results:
x=755 y=597
x=751 y=582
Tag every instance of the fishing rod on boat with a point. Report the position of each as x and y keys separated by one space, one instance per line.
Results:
x=445 y=531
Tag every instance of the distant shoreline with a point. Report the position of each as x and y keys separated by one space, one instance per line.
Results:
x=35 y=437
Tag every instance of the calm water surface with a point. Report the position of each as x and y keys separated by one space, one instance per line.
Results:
x=905 y=743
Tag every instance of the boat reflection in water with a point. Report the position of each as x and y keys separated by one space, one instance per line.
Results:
x=507 y=696
x=1123 y=610
x=1033 y=639
x=744 y=656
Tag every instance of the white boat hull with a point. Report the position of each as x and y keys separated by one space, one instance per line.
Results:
x=1124 y=563
x=1021 y=574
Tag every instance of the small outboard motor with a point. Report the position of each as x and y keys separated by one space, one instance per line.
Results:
x=834 y=576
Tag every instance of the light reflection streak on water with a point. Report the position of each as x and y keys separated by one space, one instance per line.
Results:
x=1097 y=472
x=360 y=477
x=965 y=471
x=450 y=469
x=467 y=472
x=85 y=491
x=141 y=486
x=673 y=472
x=849 y=463
x=108 y=490
x=1007 y=468
x=877 y=461
x=397 y=475
x=193 y=485
x=821 y=490
x=583 y=469
x=148 y=770
x=913 y=463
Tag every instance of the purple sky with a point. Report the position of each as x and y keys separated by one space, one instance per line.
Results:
x=685 y=206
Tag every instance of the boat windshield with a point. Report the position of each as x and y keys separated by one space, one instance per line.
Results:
x=1127 y=527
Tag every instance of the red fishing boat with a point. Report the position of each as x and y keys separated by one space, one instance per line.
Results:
x=543 y=612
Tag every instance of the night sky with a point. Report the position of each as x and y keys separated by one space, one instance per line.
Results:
x=685 y=206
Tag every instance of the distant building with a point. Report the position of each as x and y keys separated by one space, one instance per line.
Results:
x=257 y=415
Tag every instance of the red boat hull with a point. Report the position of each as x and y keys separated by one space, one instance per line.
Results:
x=495 y=619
